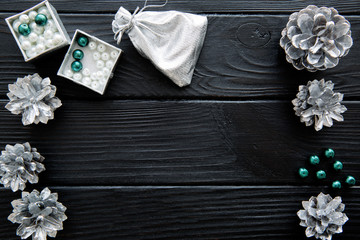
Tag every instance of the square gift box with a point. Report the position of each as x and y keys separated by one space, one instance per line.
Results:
x=89 y=61
x=38 y=31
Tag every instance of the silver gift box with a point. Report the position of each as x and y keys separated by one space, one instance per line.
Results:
x=91 y=67
x=59 y=26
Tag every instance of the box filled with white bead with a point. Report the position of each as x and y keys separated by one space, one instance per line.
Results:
x=89 y=61
x=38 y=30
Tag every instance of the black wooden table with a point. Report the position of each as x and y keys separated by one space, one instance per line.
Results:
x=214 y=160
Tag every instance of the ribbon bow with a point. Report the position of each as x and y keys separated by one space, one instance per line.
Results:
x=119 y=28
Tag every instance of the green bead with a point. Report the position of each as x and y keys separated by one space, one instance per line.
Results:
x=303 y=172
x=76 y=66
x=336 y=184
x=78 y=54
x=24 y=29
x=338 y=165
x=314 y=160
x=329 y=153
x=350 y=180
x=321 y=174
x=41 y=19
x=83 y=41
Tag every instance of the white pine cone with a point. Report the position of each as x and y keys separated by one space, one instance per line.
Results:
x=34 y=98
x=18 y=164
x=316 y=38
x=317 y=103
x=322 y=216
x=39 y=214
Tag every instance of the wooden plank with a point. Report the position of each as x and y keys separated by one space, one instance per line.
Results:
x=184 y=213
x=183 y=142
x=194 y=6
x=227 y=68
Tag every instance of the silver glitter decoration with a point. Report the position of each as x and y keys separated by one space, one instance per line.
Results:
x=34 y=98
x=316 y=38
x=19 y=164
x=317 y=103
x=322 y=216
x=39 y=214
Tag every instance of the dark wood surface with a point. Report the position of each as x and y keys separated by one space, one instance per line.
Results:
x=214 y=160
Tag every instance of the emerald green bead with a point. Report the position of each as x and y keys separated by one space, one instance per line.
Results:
x=336 y=184
x=83 y=41
x=41 y=19
x=314 y=160
x=350 y=180
x=24 y=29
x=78 y=54
x=321 y=174
x=329 y=153
x=303 y=172
x=76 y=66
x=338 y=165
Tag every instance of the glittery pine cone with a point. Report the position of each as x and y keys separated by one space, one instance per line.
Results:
x=39 y=214
x=34 y=98
x=18 y=164
x=316 y=38
x=322 y=216
x=317 y=103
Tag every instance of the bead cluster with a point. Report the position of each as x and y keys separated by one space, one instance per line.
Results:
x=37 y=32
x=321 y=174
x=104 y=61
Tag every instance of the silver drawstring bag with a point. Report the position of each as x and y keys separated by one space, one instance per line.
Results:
x=171 y=40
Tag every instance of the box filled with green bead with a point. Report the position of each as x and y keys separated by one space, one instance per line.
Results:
x=38 y=30
x=89 y=62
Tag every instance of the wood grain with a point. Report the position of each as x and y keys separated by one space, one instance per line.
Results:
x=184 y=213
x=194 y=6
x=227 y=68
x=183 y=142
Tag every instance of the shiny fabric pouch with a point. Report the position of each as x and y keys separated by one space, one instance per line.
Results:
x=171 y=40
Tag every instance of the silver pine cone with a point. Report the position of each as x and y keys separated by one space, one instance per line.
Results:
x=39 y=214
x=317 y=103
x=322 y=216
x=18 y=164
x=316 y=38
x=34 y=98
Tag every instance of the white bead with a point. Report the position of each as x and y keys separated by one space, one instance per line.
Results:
x=36 y=28
x=101 y=48
x=96 y=55
x=26 y=45
x=45 y=11
x=33 y=37
x=41 y=39
x=86 y=81
x=99 y=75
x=77 y=76
x=92 y=45
x=103 y=81
x=48 y=34
x=114 y=54
x=93 y=76
x=23 y=38
x=40 y=48
x=16 y=25
x=109 y=64
x=86 y=72
x=105 y=56
x=32 y=15
x=100 y=64
x=51 y=25
x=69 y=73
x=57 y=39
x=24 y=18
x=49 y=43
x=106 y=72
x=31 y=52
x=94 y=85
